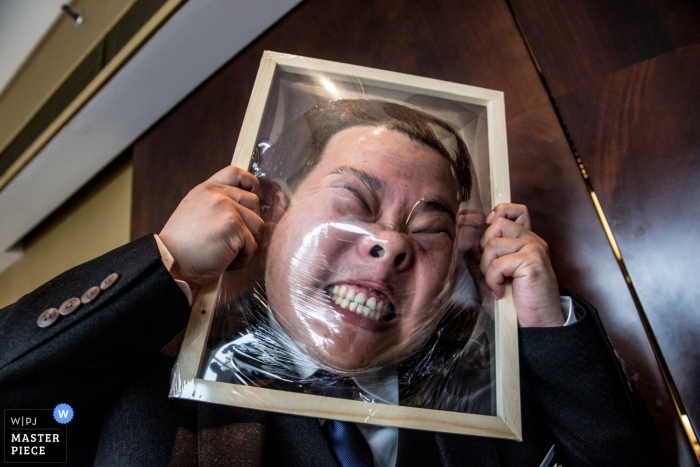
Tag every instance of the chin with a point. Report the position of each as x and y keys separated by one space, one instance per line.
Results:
x=346 y=367
x=348 y=362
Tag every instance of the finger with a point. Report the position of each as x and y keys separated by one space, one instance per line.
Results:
x=472 y=259
x=245 y=227
x=501 y=268
x=505 y=228
x=499 y=247
x=242 y=197
x=245 y=246
x=253 y=222
x=517 y=213
x=520 y=265
x=471 y=217
x=237 y=177
x=221 y=203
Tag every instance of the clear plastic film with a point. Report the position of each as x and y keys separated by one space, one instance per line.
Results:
x=366 y=282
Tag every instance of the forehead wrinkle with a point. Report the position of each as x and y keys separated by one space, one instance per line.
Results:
x=365 y=177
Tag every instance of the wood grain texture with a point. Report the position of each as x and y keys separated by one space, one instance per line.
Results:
x=624 y=75
x=639 y=132
x=578 y=41
x=563 y=215
x=474 y=43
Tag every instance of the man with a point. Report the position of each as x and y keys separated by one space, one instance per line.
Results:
x=106 y=359
x=361 y=263
x=348 y=229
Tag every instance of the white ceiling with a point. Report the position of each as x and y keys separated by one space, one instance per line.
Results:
x=195 y=42
x=22 y=25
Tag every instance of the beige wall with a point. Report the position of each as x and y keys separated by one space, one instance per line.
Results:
x=92 y=222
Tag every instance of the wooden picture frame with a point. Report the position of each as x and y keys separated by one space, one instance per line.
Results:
x=494 y=183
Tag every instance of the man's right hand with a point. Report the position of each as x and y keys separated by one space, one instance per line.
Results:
x=215 y=227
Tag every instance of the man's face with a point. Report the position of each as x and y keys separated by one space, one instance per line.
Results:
x=349 y=279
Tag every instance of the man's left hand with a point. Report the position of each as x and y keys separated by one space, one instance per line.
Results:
x=510 y=250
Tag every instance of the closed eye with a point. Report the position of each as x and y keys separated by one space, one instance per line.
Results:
x=357 y=194
x=433 y=237
x=435 y=231
x=432 y=218
x=432 y=231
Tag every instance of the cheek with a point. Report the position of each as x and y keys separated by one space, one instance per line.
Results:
x=276 y=264
x=434 y=283
x=435 y=270
x=300 y=261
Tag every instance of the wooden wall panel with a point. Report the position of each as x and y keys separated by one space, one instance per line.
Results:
x=578 y=41
x=583 y=260
x=624 y=76
x=639 y=132
x=475 y=43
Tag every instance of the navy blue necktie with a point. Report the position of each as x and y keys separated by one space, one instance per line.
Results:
x=347 y=441
x=349 y=445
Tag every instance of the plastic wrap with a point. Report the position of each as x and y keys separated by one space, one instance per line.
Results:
x=366 y=281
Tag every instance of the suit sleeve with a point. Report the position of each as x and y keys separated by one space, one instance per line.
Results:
x=572 y=380
x=86 y=357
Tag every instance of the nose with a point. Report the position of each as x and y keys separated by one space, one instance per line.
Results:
x=391 y=248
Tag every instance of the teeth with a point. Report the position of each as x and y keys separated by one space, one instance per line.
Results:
x=371 y=303
x=347 y=298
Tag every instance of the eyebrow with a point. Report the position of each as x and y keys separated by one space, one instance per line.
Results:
x=437 y=205
x=365 y=177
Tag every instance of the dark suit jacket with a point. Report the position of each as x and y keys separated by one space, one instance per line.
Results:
x=110 y=360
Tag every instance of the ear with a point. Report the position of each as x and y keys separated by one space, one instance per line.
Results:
x=280 y=205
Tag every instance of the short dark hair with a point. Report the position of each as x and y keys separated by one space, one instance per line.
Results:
x=306 y=139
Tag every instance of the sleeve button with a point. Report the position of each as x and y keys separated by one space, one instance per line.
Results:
x=69 y=306
x=109 y=281
x=47 y=318
x=90 y=295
